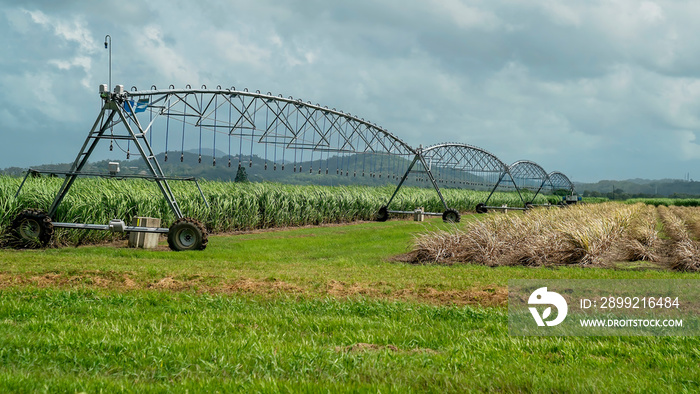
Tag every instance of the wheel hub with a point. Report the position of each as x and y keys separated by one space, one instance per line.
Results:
x=30 y=229
x=187 y=237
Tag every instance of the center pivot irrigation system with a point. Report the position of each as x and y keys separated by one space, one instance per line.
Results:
x=457 y=165
x=282 y=132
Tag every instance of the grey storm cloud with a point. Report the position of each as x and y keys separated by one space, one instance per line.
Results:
x=596 y=89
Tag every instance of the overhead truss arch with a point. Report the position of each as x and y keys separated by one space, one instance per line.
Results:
x=560 y=181
x=463 y=157
x=268 y=119
x=282 y=131
x=274 y=129
x=527 y=171
x=530 y=176
x=458 y=165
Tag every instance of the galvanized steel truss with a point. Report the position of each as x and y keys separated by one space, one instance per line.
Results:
x=250 y=118
x=278 y=125
x=559 y=181
x=457 y=164
x=528 y=175
x=284 y=124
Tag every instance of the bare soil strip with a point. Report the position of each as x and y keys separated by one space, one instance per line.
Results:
x=489 y=296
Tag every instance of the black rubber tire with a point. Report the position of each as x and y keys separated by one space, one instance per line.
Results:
x=451 y=216
x=383 y=214
x=481 y=208
x=187 y=234
x=32 y=228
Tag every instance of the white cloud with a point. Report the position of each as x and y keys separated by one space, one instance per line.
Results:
x=73 y=30
x=83 y=62
x=604 y=81
x=465 y=16
x=160 y=58
x=237 y=50
x=563 y=13
x=651 y=12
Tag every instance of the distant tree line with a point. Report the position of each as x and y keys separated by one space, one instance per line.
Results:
x=619 y=194
x=641 y=188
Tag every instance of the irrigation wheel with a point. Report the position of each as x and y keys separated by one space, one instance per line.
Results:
x=529 y=205
x=451 y=216
x=187 y=234
x=32 y=228
x=481 y=208
x=383 y=214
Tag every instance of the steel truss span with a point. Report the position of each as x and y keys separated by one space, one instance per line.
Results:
x=456 y=165
x=528 y=174
x=559 y=181
x=281 y=131
x=277 y=133
x=462 y=165
x=273 y=130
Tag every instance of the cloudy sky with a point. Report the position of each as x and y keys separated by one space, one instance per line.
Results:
x=606 y=89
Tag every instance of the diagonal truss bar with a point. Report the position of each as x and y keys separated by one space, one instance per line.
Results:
x=124 y=112
x=287 y=122
x=524 y=172
x=260 y=118
x=459 y=160
x=560 y=181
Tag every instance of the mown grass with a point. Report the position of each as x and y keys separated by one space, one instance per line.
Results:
x=109 y=318
x=310 y=257
x=86 y=340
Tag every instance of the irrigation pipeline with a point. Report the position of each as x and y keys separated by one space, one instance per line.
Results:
x=284 y=132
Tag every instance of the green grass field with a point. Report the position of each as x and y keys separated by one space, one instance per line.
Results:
x=306 y=309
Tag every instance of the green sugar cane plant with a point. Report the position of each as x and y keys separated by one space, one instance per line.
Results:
x=232 y=206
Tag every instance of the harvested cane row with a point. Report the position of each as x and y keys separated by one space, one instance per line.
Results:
x=590 y=235
x=642 y=241
x=684 y=249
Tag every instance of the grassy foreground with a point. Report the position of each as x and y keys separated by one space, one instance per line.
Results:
x=309 y=309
